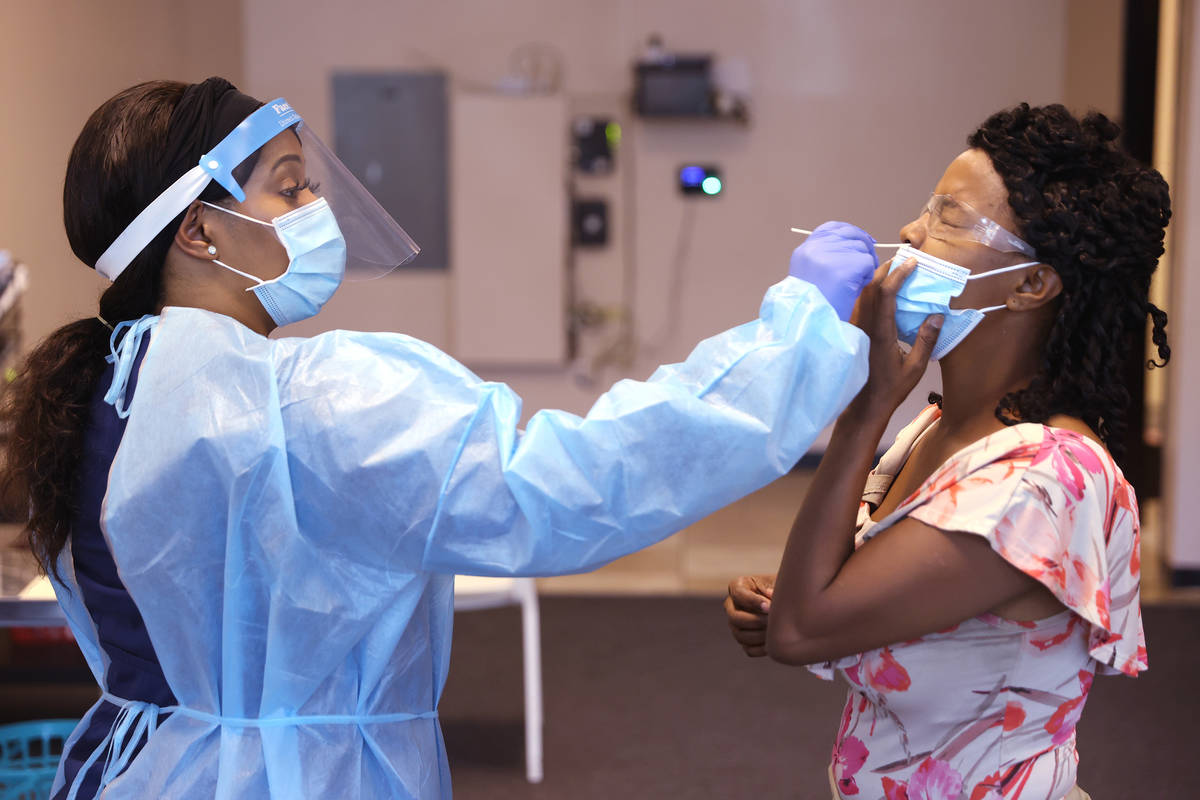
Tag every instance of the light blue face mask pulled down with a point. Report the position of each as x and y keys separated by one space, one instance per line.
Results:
x=929 y=290
x=317 y=262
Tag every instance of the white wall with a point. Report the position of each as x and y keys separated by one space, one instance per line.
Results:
x=59 y=60
x=1181 y=447
x=856 y=109
x=1094 y=63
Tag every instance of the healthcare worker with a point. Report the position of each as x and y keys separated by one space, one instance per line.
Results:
x=254 y=540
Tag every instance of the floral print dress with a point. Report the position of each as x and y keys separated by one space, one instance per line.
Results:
x=987 y=709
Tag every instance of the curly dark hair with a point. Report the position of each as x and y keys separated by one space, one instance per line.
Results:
x=1098 y=216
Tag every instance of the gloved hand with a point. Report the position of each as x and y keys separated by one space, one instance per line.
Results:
x=839 y=259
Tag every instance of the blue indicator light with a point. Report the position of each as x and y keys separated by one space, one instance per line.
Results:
x=692 y=175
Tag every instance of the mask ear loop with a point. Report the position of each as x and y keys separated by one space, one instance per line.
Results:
x=997 y=272
x=235 y=213
x=258 y=281
x=1026 y=265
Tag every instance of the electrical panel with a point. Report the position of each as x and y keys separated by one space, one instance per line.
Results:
x=391 y=130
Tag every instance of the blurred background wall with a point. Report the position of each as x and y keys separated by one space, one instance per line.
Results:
x=853 y=109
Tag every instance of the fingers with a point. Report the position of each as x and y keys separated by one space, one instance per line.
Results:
x=746 y=608
x=749 y=630
x=918 y=357
x=857 y=314
x=877 y=313
x=754 y=643
x=881 y=271
x=765 y=585
x=864 y=306
x=755 y=649
x=752 y=593
x=745 y=620
x=895 y=278
x=845 y=230
x=833 y=243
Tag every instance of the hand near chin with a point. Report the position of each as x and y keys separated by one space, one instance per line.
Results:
x=893 y=373
x=747 y=606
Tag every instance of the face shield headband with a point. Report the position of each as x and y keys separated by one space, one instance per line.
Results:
x=375 y=243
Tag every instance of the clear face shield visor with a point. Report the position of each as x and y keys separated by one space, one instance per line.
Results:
x=952 y=220
x=275 y=139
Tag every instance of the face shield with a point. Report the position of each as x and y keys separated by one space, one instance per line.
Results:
x=375 y=243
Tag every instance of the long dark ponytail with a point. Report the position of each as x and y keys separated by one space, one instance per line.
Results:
x=125 y=156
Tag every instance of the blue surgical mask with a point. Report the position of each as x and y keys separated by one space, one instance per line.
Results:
x=317 y=262
x=929 y=290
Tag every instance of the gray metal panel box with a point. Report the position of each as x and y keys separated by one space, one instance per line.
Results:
x=391 y=131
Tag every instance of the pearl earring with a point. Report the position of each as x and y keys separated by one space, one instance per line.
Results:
x=212 y=249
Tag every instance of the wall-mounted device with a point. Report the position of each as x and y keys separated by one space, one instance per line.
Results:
x=675 y=85
x=703 y=180
x=596 y=140
x=589 y=222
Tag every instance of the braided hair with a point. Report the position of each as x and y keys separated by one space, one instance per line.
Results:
x=1098 y=217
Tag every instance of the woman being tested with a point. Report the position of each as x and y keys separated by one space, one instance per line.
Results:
x=254 y=540
x=990 y=568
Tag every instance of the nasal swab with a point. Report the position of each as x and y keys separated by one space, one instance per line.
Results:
x=877 y=244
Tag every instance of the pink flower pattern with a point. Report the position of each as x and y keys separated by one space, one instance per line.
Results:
x=1061 y=725
x=987 y=709
x=849 y=754
x=935 y=780
x=880 y=670
x=848 y=759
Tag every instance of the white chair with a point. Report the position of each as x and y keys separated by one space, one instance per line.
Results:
x=471 y=593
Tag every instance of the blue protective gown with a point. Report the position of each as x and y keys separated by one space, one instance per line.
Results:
x=287 y=516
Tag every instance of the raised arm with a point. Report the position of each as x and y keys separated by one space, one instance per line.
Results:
x=572 y=493
x=829 y=600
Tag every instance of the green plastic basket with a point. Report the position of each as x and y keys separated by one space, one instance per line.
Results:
x=29 y=754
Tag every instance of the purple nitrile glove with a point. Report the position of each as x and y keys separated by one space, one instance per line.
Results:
x=839 y=259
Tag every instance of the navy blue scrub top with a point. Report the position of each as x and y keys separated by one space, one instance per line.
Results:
x=134 y=672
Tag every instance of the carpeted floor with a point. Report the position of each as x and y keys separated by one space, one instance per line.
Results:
x=651 y=698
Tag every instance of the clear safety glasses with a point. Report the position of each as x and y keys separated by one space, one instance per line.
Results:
x=950 y=220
